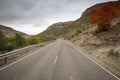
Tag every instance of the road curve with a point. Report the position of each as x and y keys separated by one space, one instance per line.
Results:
x=59 y=60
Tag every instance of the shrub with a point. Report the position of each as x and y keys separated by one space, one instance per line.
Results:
x=78 y=31
x=34 y=40
x=19 y=40
x=3 y=42
x=103 y=16
x=10 y=48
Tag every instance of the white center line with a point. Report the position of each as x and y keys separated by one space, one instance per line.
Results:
x=56 y=58
x=71 y=78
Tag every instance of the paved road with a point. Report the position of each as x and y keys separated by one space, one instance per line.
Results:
x=59 y=60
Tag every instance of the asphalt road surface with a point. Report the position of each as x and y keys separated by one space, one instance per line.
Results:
x=59 y=60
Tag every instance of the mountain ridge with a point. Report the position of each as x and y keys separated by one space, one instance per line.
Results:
x=55 y=30
x=9 y=32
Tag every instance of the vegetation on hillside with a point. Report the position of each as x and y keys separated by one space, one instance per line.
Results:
x=18 y=41
x=56 y=30
x=104 y=16
x=3 y=42
x=103 y=47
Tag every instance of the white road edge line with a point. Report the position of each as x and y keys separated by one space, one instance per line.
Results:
x=56 y=58
x=18 y=60
x=23 y=58
x=79 y=50
x=97 y=63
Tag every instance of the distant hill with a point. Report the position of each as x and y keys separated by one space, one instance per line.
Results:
x=56 y=30
x=8 y=32
x=68 y=29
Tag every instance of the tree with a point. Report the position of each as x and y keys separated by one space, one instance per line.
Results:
x=1 y=34
x=19 y=40
x=103 y=16
x=34 y=40
x=3 y=42
x=12 y=44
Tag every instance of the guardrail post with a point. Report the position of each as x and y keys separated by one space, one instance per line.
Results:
x=5 y=60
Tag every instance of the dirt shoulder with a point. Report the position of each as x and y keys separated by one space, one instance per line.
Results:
x=103 y=47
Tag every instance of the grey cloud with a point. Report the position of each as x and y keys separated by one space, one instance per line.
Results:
x=25 y=4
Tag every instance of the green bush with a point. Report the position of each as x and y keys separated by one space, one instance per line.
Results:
x=3 y=42
x=10 y=48
x=34 y=40
x=19 y=40
x=44 y=39
x=78 y=31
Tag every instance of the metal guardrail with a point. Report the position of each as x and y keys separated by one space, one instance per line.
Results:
x=8 y=54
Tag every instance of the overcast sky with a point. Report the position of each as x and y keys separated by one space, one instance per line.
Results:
x=34 y=16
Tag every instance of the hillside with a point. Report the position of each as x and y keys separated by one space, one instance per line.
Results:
x=61 y=28
x=8 y=32
x=103 y=47
x=56 y=30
